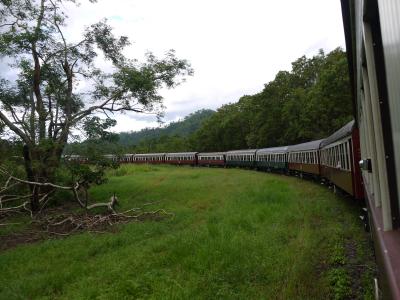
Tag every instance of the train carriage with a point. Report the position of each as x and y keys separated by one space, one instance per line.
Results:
x=340 y=154
x=127 y=158
x=272 y=159
x=149 y=158
x=304 y=158
x=112 y=157
x=211 y=159
x=372 y=32
x=181 y=158
x=241 y=158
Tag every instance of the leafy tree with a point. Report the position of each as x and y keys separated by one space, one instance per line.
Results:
x=43 y=106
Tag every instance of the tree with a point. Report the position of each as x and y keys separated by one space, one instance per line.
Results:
x=43 y=106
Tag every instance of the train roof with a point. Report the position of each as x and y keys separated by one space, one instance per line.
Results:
x=273 y=150
x=346 y=130
x=181 y=154
x=313 y=145
x=211 y=153
x=245 y=151
x=148 y=154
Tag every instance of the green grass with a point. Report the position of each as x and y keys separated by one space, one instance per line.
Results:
x=236 y=234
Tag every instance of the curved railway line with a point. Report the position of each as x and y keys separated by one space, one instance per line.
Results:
x=363 y=157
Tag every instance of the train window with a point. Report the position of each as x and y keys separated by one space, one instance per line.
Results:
x=348 y=155
x=329 y=156
x=343 y=157
x=333 y=156
x=337 y=159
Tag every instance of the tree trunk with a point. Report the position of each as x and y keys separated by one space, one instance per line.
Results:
x=41 y=164
x=31 y=177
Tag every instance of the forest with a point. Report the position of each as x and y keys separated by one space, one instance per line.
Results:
x=309 y=102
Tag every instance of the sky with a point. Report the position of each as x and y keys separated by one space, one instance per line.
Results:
x=234 y=46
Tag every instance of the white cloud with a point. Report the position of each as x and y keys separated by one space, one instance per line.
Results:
x=235 y=46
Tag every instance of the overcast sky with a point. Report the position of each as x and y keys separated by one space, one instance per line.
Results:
x=234 y=46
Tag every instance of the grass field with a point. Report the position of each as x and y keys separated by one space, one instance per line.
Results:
x=235 y=234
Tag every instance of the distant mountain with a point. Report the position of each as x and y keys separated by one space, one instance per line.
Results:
x=181 y=128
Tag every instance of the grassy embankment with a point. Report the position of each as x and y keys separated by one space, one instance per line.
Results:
x=235 y=234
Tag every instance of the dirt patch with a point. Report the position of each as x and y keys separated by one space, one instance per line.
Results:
x=59 y=223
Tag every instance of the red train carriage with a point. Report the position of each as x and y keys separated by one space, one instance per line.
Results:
x=340 y=154
x=181 y=158
x=304 y=158
x=211 y=159
x=149 y=158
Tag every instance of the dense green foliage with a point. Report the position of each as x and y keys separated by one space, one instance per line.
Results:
x=310 y=102
x=182 y=128
x=235 y=234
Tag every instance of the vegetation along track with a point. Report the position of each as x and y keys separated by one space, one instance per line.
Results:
x=235 y=234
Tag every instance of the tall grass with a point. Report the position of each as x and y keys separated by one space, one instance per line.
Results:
x=235 y=234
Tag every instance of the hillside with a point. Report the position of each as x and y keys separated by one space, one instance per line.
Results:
x=181 y=128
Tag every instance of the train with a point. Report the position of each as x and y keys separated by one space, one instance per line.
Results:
x=333 y=159
x=372 y=37
x=362 y=158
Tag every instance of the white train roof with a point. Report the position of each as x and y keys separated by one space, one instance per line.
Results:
x=211 y=153
x=346 y=130
x=181 y=154
x=309 y=146
x=149 y=154
x=273 y=150
x=239 y=152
